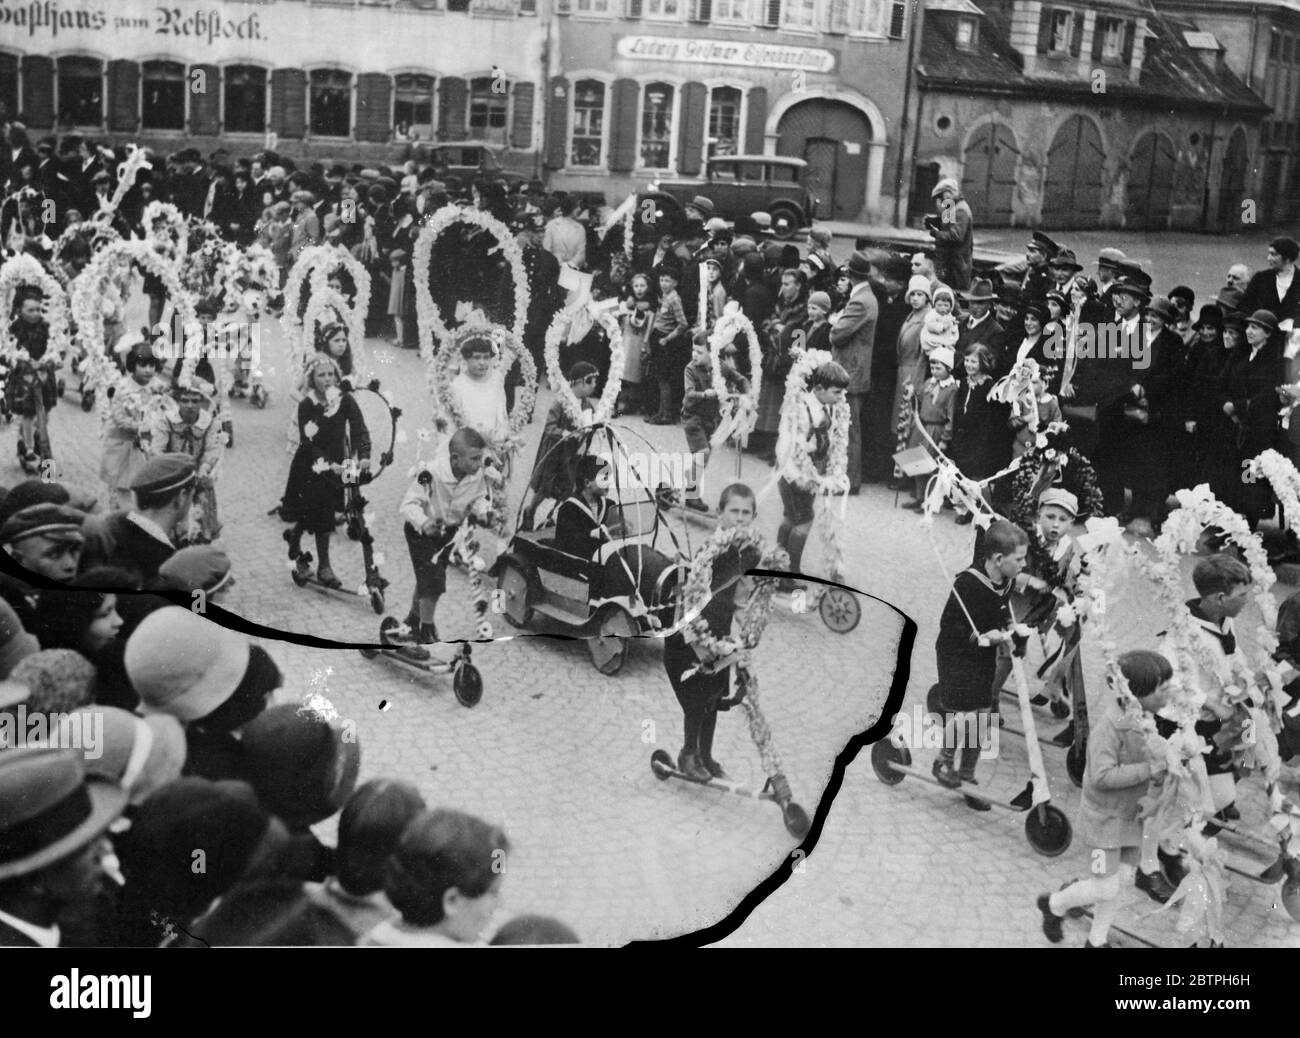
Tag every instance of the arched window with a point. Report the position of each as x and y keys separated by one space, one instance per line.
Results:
x=163 y=96
x=413 y=108
x=244 y=99
x=81 y=91
x=489 y=99
x=588 y=136
x=331 y=103
x=657 y=125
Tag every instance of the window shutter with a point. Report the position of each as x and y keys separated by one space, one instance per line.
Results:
x=289 y=103
x=204 y=108
x=633 y=9
x=557 y=124
x=1044 y=30
x=755 y=120
x=38 y=90
x=771 y=12
x=521 y=128
x=695 y=99
x=1076 y=36
x=527 y=7
x=701 y=10
x=453 y=94
x=897 y=21
x=1098 y=37
x=374 y=107
x=1128 y=42
x=623 y=126
x=123 y=96
x=8 y=86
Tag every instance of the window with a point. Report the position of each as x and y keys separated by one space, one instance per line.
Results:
x=724 y=122
x=1288 y=45
x=1059 y=42
x=413 y=108
x=331 y=103
x=588 y=137
x=665 y=9
x=799 y=14
x=750 y=171
x=783 y=174
x=1275 y=45
x=245 y=99
x=731 y=10
x=657 y=125
x=966 y=33
x=868 y=17
x=593 y=7
x=81 y=92
x=1112 y=45
x=460 y=6
x=163 y=96
x=487 y=108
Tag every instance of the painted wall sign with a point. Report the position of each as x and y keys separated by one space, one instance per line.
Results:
x=722 y=52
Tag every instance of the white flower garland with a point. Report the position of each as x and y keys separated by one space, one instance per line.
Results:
x=433 y=330
x=314 y=265
x=177 y=229
x=23 y=269
x=137 y=158
x=1284 y=479
x=256 y=272
x=555 y=335
x=327 y=306
x=89 y=230
x=507 y=347
x=210 y=269
x=95 y=283
x=795 y=427
x=738 y=414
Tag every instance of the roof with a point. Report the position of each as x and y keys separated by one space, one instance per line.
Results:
x=959 y=6
x=1173 y=75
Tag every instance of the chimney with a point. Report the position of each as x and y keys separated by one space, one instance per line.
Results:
x=1025 y=15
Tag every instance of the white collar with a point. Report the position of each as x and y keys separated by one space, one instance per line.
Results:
x=45 y=936
x=972 y=321
x=150 y=527
x=1285 y=279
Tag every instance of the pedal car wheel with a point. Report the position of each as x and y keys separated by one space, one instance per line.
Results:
x=513 y=581
x=661 y=763
x=1074 y=765
x=1048 y=830
x=377 y=600
x=840 y=610
x=884 y=754
x=796 y=820
x=610 y=647
x=467 y=684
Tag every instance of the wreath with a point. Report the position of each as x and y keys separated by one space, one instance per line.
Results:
x=1074 y=473
x=92 y=290
x=433 y=330
x=315 y=264
x=177 y=229
x=555 y=335
x=326 y=302
x=738 y=413
x=505 y=345
x=1282 y=477
x=23 y=269
x=793 y=436
x=137 y=158
x=95 y=234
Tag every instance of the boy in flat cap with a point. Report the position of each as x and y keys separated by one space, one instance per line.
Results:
x=46 y=540
x=141 y=540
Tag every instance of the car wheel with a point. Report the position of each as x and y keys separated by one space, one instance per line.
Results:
x=785 y=222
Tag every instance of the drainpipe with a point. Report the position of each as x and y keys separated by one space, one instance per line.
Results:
x=547 y=100
x=913 y=52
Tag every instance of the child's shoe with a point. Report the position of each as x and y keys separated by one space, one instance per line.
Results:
x=689 y=765
x=325 y=576
x=1052 y=928
x=713 y=767
x=1172 y=866
x=975 y=804
x=945 y=774
x=428 y=634
x=1065 y=737
x=696 y=504
x=295 y=545
x=1154 y=885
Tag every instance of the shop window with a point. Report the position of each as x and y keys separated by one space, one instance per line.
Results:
x=413 y=108
x=588 y=136
x=244 y=89
x=487 y=109
x=81 y=92
x=657 y=126
x=724 y=121
x=331 y=103
x=163 y=94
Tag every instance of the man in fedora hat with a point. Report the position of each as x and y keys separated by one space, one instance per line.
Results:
x=1108 y=261
x=1009 y=311
x=953 y=230
x=53 y=818
x=1064 y=266
x=980 y=326
x=699 y=208
x=853 y=337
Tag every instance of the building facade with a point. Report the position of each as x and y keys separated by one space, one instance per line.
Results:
x=338 y=79
x=1083 y=115
x=642 y=90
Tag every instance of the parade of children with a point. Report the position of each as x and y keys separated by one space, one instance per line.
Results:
x=665 y=459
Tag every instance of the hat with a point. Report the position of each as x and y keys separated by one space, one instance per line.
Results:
x=1185 y=293
x=761 y=220
x=1163 y=308
x=16 y=643
x=277 y=173
x=1009 y=294
x=200 y=567
x=944 y=356
x=1064 y=260
x=1061 y=498
x=337 y=170
x=183 y=665
x=140 y=754
x=164 y=473
x=918 y=283
x=1235 y=320
x=304 y=197
x=821 y=299
x=1229 y=299
x=1038 y=240
x=1210 y=316
x=713 y=261
x=49 y=809
x=820 y=235
x=302 y=766
x=704 y=206
x=56 y=522
x=981 y=291
x=280 y=209
x=57 y=680
x=1132 y=280
x=860 y=264
x=1037 y=310
x=32 y=492
x=1266 y=319
x=223 y=819
x=369 y=175
x=670 y=268
x=944 y=290
x=1110 y=258
x=716 y=225
x=1059 y=296
x=946 y=184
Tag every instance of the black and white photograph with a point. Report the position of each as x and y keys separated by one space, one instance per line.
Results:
x=750 y=474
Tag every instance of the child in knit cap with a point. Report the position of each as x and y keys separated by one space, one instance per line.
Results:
x=940 y=327
x=935 y=408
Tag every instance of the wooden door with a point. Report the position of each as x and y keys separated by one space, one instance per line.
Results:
x=1072 y=197
x=821 y=153
x=989 y=173
x=1150 y=183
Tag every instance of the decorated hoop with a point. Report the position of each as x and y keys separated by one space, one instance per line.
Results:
x=1076 y=474
x=177 y=229
x=739 y=414
x=1282 y=477
x=555 y=335
x=433 y=330
x=137 y=158
x=327 y=307
x=96 y=234
x=316 y=263
x=88 y=305
x=22 y=270
x=793 y=435
x=505 y=345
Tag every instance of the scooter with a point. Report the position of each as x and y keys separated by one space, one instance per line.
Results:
x=466 y=681
x=775 y=789
x=354 y=506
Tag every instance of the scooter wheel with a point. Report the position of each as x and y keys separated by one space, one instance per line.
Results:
x=884 y=754
x=299 y=577
x=377 y=600
x=1048 y=830
x=1074 y=765
x=87 y=400
x=369 y=654
x=661 y=763
x=1060 y=709
x=840 y=610
x=467 y=684
x=796 y=820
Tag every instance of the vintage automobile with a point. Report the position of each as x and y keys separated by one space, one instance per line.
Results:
x=904 y=242
x=467 y=161
x=742 y=184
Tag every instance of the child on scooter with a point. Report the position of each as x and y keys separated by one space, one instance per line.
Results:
x=188 y=425
x=32 y=388
x=130 y=417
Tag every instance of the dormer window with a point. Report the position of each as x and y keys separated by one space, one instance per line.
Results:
x=966 y=33
x=1112 y=38
x=1059 y=42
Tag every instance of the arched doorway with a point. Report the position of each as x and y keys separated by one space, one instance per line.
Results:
x=834 y=139
x=989 y=173
x=1072 y=197
x=1150 y=183
x=1232 y=181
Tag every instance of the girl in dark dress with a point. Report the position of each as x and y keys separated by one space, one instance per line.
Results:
x=979 y=443
x=332 y=431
